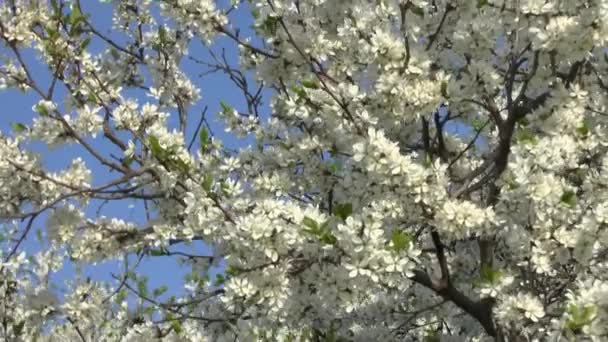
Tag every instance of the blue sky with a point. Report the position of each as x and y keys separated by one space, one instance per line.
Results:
x=17 y=107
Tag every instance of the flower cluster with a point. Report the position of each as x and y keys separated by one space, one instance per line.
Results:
x=428 y=170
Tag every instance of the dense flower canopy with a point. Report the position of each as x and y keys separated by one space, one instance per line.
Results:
x=431 y=170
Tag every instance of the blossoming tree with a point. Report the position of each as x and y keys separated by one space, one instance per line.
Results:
x=431 y=170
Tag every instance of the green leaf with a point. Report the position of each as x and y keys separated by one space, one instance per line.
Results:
x=270 y=25
x=490 y=275
x=18 y=127
x=2 y=237
x=583 y=129
x=432 y=337
x=115 y=54
x=52 y=33
x=526 y=136
x=401 y=240
x=207 y=183
x=428 y=160
x=181 y=165
x=419 y=11
x=225 y=107
x=579 y=317
x=75 y=19
x=157 y=252
x=569 y=198
x=444 y=89
x=204 y=139
x=162 y=34
x=149 y=310
x=486 y=272
x=159 y=291
x=76 y=16
x=131 y=275
x=299 y=91
x=328 y=238
x=523 y=122
x=231 y=271
x=481 y=3
x=343 y=210
x=477 y=124
x=177 y=326
x=322 y=232
x=40 y=109
x=55 y=5
x=311 y=84
x=85 y=43
x=142 y=287
x=224 y=187
x=121 y=296
x=255 y=13
x=310 y=223
x=335 y=168
x=157 y=150
x=128 y=161
x=330 y=336
x=92 y=98
x=18 y=328
x=219 y=280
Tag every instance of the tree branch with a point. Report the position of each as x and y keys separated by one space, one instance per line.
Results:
x=480 y=310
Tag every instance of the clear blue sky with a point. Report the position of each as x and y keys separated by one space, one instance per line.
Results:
x=17 y=107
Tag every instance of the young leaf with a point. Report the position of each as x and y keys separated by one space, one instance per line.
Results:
x=204 y=139
x=328 y=238
x=526 y=136
x=490 y=275
x=181 y=165
x=159 y=291
x=419 y=11
x=583 y=129
x=128 y=161
x=343 y=210
x=40 y=109
x=219 y=280
x=157 y=150
x=157 y=252
x=225 y=107
x=18 y=328
x=177 y=326
x=231 y=271
x=142 y=286
x=270 y=25
x=569 y=198
x=311 y=84
x=85 y=43
x=18 y=127
x=310 y=223
x=444 y=89
x=401 y=240
x=162 y=34
x=579 y=317
x=76 y=16
x=207 y=183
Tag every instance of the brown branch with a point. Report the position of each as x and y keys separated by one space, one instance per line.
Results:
x=27 y=229
x=441 y=148
x=198 y=128
x=433 y=37
x=480 y=310
x=80 y=334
